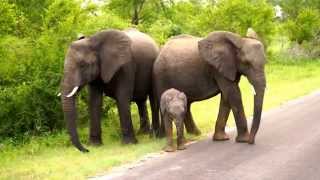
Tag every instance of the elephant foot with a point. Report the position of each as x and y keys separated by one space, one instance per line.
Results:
x=181 y=147
x=169 y=148
x=243 y=138
x=129 y=140
x=251 y=140
x=220 y=136
x=95 y=141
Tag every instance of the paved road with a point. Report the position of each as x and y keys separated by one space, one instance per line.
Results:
x=287 y=148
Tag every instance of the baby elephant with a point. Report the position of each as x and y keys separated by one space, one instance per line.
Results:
x=173 y=107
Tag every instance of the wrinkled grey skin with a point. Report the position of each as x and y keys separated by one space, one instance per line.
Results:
x=116 y=63
x=173 y=106
x=203 y=68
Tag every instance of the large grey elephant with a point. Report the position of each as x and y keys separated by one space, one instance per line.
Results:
x=117 y=63
x=205 y=67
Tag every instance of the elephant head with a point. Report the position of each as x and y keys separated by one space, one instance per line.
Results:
x=89 y=59
x=232 y=55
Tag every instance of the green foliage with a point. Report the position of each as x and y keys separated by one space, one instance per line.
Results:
x=185 y=16
x=31 y=67
x=162 y=29
x=305 y=26
x=33 y=12
x=135 y=11
x=192 y=17
x=15 y=55
x=7 y=18
x=12 y=21
x=104 y=21
x=291 y=8
x=238 y=16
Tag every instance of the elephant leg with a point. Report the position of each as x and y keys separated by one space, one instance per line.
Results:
x=123 y=105
x=168 y=128
x=155 y=115
x=180 y=137
x=161 y=132
x=189 y=122
x=234 y=99
x=224 y=111
x=95 y=107
x=144 y=119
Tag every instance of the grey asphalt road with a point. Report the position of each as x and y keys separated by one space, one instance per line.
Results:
x=287 y=148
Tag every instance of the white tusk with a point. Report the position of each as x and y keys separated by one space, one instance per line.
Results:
x=73 y=91
x=59 y=94
x=253 y=90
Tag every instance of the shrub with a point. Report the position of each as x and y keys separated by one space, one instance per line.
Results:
x=30 y=73
x=161 y=30
x=238 y=15
x=305 y=27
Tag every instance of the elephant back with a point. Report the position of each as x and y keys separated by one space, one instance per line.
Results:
x=181 y=47
x=143 y=46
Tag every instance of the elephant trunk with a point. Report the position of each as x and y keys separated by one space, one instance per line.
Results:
x=259 y=87
x=70 y=115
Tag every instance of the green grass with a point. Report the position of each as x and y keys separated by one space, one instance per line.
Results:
x=52 y=156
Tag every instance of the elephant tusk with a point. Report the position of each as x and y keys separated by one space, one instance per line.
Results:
x=59 y=94
x=73 y=91
x=253 y=90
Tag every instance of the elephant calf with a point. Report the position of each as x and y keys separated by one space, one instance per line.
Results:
x=173 y=105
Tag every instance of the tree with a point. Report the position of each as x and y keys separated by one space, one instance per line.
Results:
x=33 y=12
x=305 y=27
x=131 y=9
x=238 y=15
x=138 y=11
x=291 y=8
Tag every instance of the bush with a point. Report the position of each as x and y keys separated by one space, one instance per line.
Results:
x=305 y=27
x=8 y=18
x=238 y=15
x=30 y=73
x=161 y=30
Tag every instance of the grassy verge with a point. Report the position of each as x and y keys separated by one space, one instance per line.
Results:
x=52 y=157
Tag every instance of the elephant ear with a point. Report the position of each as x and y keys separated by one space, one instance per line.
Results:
x=217 y=49
x=114 y=49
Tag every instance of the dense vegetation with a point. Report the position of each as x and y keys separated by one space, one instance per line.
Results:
x=35 y=34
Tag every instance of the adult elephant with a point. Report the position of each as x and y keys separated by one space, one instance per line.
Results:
x=117 y=63
x=203 y=68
